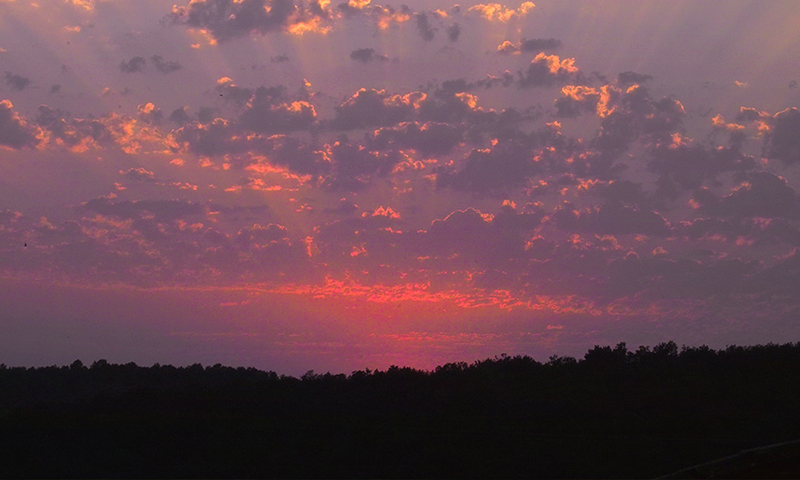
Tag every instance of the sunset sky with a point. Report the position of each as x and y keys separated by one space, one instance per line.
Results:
x=325 y=186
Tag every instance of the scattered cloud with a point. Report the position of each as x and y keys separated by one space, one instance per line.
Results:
x=134 y=65
x=164 y=66
x=367 y=55
x=16 y=81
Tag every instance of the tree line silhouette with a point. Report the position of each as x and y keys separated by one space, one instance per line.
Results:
x=613 y=413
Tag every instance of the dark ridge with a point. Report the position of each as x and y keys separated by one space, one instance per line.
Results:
x=613 y=414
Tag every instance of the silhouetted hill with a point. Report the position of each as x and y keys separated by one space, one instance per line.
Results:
x=614 y=413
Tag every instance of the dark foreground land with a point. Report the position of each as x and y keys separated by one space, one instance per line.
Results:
x=614 y=413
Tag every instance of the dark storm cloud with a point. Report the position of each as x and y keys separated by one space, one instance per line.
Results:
x=134 y=65
x=228 y=19
x=164 y=66
x=55 y=89
x=17 y=82
x=14 y=131
x=279 y=58
x=366 y=55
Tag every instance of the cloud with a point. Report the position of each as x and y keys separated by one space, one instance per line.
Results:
x=453 y=32
x=140 y=174
x=180 y=116
x=497 y=12
x=636 y=114
x=222 y=137
x=366 y=55
x=149 y=113
x=577 y=99
x=344 y=207
x=370 y=107
x=426 y=31
x=87 y=5
x=538 y=44
x=55 y=89
x=162 y=210
x=782 y=141
x=687 y=167
x=134 y=65
x=228 y=19
x=627 y=78
x=480 y=238
x=545 y=70
x=279 y=58
x=353 y=165
x=610 y=218
x=263 y=116
x=760 y=194
x=163 y=66
x=497 y=170
x=430 y=138
x=72 y=132
x=17 y=82
x=268 y=109
x=528 y=45
x=14 y=131
x=259 y=236
x=233 y=93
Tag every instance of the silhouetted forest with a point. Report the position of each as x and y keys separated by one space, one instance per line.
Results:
x=614 y=413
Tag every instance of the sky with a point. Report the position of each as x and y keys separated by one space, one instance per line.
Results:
x=341 y=186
